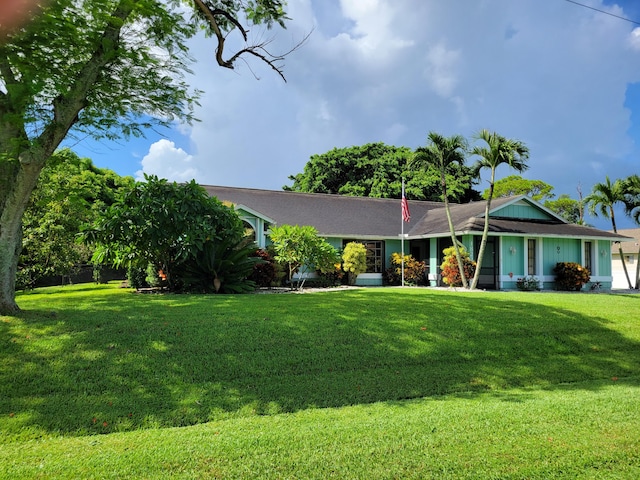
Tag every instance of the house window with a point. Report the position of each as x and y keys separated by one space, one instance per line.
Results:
x=531 y=256
x=588 y=258
x=375 y=255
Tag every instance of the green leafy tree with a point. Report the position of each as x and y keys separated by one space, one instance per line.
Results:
x=567 y=207
x=516 y=185
x=445 y=154
x=497 y=150
x=376 y=170
x=71 y=191
x=302 y=250
x=603 y=199
x=166 y=225
x=103 y=68
x=354 y=260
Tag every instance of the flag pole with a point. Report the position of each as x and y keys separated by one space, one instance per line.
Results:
x=402 y=220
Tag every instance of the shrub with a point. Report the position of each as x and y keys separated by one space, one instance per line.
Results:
x=354 y=260
x=265 y=273
x=137 y=277
x=528 y=284
x=413 y=270
x=450 y=270
x=571 y=276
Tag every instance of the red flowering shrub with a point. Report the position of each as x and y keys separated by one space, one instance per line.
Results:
x=264 y=273
x=571 y=276
x=450 y=270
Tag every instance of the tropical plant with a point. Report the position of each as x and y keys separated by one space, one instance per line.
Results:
x=449 y=267
x=165 y=224
x=303 y=251
x=528 y=283
x=444 y=153
x=603 y=199
x=497 y=150
x=265 y=273
x=413 y=270
x=354 y=260
x=222 y=266
x=571 y=276
x=101 y=68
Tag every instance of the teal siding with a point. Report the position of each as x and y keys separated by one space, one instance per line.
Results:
x=512 y=262
x=603 y=254
x=521 y=211
x=560 y=250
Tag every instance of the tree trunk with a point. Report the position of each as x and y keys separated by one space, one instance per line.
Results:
x=13 y=203
x=463 y=277
x=485 y=234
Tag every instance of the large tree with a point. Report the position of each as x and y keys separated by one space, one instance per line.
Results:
x=496 y=150
x=445 y=154
x=100 y=68
x=516 y=185
x=603 y=199
x=376 y=170
x=71 y=191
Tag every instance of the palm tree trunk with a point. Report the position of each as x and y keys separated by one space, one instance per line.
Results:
x=624 y=264
x=463 y=277
x=485 y=233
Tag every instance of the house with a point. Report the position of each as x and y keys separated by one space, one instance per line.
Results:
x=525 y=238
x=630 y=249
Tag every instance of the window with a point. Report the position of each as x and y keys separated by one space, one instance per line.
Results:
x=531 y=256
x=375 y=255
x=588 y=258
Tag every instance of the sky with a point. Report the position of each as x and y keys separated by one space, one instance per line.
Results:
x=560 y=77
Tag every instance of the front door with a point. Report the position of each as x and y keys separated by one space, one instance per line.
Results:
x=489 y=271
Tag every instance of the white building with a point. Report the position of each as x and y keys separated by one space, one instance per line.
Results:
x=630 y=253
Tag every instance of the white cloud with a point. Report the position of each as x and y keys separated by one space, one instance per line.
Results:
x=167 y=161
x=634 y=38
x=551 y=74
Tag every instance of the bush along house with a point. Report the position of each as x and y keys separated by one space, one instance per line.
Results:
x=526 y=240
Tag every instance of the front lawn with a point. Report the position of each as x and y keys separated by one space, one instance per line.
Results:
x=370 y=383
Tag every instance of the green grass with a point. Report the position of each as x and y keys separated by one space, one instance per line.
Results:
x=372 y=383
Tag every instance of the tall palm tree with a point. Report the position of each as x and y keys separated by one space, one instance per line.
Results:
x=443 y=152
x=632 y=209
x=603 y=198
x=497 y=151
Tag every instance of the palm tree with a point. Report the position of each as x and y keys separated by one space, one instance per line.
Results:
x=632 y=209
x=603 y=198
x=443 y=152
x=498 y=150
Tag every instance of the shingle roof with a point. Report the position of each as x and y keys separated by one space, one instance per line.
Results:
x=630 y=246
x=365 y=217
x=331 y=215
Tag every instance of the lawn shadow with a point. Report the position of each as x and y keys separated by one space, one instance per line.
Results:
x=127 y=362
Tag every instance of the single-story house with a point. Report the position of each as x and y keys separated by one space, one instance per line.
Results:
x=525 y=238
x=630 y=249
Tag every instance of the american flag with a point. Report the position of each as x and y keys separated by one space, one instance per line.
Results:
x=406 y=216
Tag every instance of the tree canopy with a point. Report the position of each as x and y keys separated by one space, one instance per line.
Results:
x=101 y=68
x=376 y=170
x=516 y=185
x=71 y=191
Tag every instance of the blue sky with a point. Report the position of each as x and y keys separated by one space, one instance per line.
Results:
x=562 y=78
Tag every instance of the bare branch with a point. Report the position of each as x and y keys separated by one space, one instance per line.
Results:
x=258 y=50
